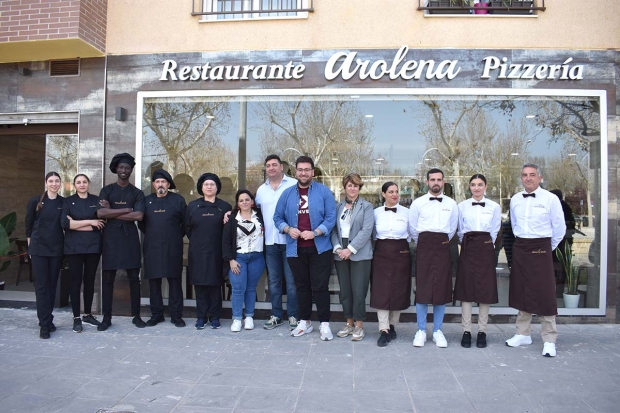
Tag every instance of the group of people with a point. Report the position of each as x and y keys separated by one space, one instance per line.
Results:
x=294 y=229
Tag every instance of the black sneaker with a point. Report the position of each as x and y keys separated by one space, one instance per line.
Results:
x=90 y=319
x=44 y=333
x=392 y=333
x=52 y=327
x=77 y=325
x=105 y=324
x=466 y=340
x=384 y=339
x=138 y=322
x=153 y=321
x=481 y=340
x=178 y=322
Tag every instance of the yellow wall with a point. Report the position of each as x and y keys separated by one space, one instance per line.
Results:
x=151 y=26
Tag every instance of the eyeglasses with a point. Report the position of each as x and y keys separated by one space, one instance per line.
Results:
x=306 y=170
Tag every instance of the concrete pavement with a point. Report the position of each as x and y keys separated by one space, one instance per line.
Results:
x=180 y=370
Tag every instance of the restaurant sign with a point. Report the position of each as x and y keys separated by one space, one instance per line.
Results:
x=347 y=65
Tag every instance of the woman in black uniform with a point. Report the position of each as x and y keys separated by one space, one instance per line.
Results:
x=204 y=226
x=82 y=247
x=45 y=245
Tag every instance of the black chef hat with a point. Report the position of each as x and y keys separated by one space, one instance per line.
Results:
x=162 y=174
x=122 y=158
x=209 y=177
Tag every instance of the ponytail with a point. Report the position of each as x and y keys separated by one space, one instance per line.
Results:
x=48 y=176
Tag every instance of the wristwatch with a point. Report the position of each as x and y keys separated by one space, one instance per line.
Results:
x=316 y=234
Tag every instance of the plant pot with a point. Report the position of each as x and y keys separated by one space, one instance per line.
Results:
x=447 y=4
x=514 y=7
x=571 y=300
x=477 y=10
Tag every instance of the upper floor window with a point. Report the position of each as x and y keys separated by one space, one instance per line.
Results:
x=216 y=10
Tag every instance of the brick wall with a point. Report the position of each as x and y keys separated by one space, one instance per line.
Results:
x=27 y=20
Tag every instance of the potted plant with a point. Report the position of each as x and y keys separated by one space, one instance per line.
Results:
x=455 y=5
x=513 y=7
x=565 y=256
x=479 y=8
x=7 y=226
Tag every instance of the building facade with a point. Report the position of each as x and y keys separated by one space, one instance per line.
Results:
x=386 y=89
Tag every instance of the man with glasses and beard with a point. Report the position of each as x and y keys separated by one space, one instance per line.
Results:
x=163 y=228
x=306 y=212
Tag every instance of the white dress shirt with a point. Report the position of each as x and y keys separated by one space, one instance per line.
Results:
x=266 y=200
x=538 y=217
x=487 y=218
x=426 y=215
x=392 y=225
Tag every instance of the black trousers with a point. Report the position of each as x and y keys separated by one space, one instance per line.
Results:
x=175 y=297
x=208 y=301
x=82 y=269
x=311 y=271
x=107 y=291
x=46 y=271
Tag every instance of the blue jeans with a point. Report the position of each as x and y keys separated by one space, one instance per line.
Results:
x=438 y=312
x=244 y=284
x=277 y=269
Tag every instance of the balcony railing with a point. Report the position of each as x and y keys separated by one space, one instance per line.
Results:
x=240 y=9
x=496 y=7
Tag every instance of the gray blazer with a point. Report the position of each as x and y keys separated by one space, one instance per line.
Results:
x=362 y=225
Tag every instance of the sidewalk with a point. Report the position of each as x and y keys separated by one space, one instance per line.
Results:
x=169 y=369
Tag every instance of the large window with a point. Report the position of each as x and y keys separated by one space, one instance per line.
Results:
x=397 y=135
x=214 y=10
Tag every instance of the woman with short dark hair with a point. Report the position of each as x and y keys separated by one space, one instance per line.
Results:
x=83 y=244
x=351 y=238
x=243 y=246
x=45 y=247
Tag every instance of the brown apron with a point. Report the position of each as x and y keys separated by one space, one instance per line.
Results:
x=390 y=280
x=532 y=280
x=476 y=280
x=433 y=269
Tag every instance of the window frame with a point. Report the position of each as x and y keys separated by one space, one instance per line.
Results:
x=207 y=7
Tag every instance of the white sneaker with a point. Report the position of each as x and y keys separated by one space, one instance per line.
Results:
x=549 y=349
x=235 y=326
x=419 y=339
x=358 y=334
x=345 y=330
x=519 y=340
x=440 y=339
x=302 y=328
x=248 y=323
x=326 y=332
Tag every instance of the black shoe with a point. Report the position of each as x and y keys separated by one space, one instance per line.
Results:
x=466 y=340
x=77 y=325
x=105 y=324
x=90 y=319
x=178 y=322
x=481 y=340
x=138 y=322
x=44 y=333
x=384 y=339
x=52 y=327
x=392 y=333
x=153 y=321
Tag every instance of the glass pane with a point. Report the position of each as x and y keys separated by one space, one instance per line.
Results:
x=61 y=155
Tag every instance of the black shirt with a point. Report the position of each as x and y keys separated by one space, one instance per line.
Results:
x=43 y=227
x=79 y=209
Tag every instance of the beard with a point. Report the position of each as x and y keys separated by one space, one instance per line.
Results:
x=161 y=190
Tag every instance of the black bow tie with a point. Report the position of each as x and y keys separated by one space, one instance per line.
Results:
x=435 y=198
x=391 y=209
x=533 y=195
x=478 y=203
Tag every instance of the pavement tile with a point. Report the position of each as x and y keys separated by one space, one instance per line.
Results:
x=81 y=405
x=374 y=401
x=199 y=409
x=288 y=348
x=130 y=370
x=55 y=386
x=239 y=360
x=505 y=402
x=115 y=389
x=548 y=401
x=333 y=379
x=157 y=392
x=330 y=362
x=226 y=376
x=283 y=362
x=388 y=380
x=332 y=401
x=473 y=382
x=425 y=402
x=247 y=346
x=31 y=403
x=8 y=361
x=259 y=399
x=430 y=380
x=143 y=408
x=602 y=401
x=378 y=363
x=276 y=379
x=210 y=396
x=180 y=370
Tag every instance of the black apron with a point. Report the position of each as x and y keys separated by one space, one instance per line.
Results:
x=204 y=226
x=162 y=225
x=476 y=280
x=390 y=279
x=121 y=243
x=532 y=280
x=433 y=269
